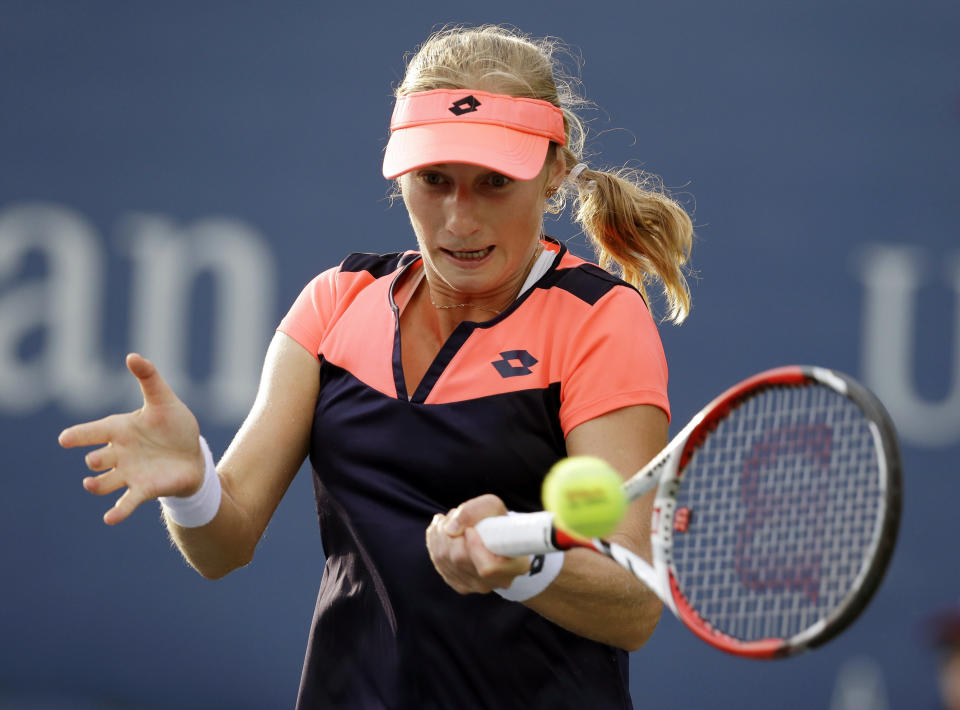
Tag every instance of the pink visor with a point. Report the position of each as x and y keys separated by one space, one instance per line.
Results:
x=507 y=134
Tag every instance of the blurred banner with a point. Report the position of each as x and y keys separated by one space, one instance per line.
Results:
x=172 y=174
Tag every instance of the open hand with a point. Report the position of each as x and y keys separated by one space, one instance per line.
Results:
x=153 y=452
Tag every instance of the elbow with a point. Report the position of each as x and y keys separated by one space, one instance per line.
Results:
x=218 y=569
x=213 y=573
x=635 y=641
x=218 y=548
x=638 y=633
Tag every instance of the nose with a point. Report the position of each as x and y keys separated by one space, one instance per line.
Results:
x=461 y=212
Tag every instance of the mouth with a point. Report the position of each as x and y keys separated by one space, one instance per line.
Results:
x=472 y=255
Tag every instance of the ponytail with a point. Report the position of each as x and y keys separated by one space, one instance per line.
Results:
x=637 y=229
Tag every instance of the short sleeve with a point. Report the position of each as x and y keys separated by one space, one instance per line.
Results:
x=309 y=316
x=616 y=360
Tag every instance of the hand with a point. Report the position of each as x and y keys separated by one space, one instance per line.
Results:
x=154 y=451
x=459 y=555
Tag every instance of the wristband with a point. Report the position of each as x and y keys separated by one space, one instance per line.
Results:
x=543 y=570
x=201 y=507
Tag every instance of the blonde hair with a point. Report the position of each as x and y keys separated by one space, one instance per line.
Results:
x=634 y=226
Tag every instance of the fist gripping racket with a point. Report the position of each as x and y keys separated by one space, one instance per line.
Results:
x=775 y=516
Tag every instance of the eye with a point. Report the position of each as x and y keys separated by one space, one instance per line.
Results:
x=498 y=180
x=431 y=178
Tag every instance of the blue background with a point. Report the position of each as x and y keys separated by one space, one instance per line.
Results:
x=813 y=142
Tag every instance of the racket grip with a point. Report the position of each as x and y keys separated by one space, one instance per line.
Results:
x=518 y=533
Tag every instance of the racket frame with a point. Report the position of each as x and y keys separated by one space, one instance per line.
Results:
x=665 y=473
x=690 y=439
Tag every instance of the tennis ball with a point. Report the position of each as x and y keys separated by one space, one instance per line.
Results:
x=584 y=494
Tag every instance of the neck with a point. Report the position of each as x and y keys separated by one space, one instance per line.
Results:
x=492 y=306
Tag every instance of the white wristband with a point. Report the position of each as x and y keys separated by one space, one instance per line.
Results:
x=543 y=570
x=201 y=507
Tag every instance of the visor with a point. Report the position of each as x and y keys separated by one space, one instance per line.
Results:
x=507 y=134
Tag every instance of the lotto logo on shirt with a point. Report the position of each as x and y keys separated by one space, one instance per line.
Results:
x=514 y=363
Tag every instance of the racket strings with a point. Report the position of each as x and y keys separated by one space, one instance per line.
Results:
x=784 y=496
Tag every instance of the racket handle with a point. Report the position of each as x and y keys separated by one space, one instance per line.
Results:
x=518 y=533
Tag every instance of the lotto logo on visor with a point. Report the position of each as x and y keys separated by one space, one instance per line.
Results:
x=510 y=135
x=464 y=105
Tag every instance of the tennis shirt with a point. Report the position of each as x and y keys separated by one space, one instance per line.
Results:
x=490 y=416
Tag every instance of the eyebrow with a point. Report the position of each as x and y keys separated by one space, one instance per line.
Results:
x=444 y=166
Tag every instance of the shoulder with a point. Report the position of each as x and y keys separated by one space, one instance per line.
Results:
x=330 y=293
x=355 y=273
x=590 y=306
x=376 y=265
x=587 y=282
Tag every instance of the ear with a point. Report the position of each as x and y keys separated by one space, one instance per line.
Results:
x=558 y=167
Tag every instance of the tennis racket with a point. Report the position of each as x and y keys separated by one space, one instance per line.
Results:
x=776 y=513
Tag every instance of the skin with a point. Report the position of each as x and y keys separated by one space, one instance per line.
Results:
x=453 y=208
x=456 y=209
x=950 y=680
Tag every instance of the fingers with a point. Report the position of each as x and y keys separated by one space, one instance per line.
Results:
x=144 y=450
x=468 y=514
x=124 y=506
x=101 y=459
x=496 y=570
x=139 y=366
x=155 y=391
x=465 y=563
x=104 y=483
x=154 y=388
x=88 y=433
x=450 y=559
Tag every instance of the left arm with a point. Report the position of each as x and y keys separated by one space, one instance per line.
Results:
x=592 y=596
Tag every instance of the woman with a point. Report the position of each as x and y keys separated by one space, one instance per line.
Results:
x=434 y=388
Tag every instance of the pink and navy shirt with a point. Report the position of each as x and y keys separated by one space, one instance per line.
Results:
x=490 y=416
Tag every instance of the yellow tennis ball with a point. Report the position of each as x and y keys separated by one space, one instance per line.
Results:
x=585 y=495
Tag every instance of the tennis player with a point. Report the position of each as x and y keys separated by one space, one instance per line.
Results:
x=434 y=387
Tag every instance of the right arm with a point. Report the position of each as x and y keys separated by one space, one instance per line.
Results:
x=155 y=452
x=260 y=462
